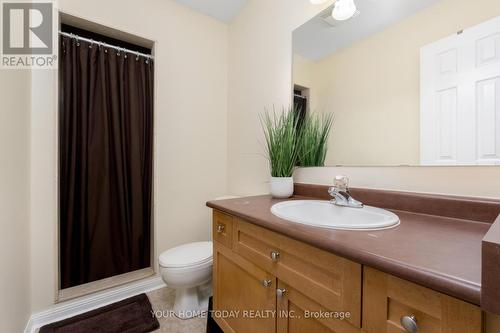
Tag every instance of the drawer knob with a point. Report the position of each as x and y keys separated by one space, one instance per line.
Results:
x=409 y=323
x=275 y=255
x=280 y=292
x=267 y=283
x=220 y=228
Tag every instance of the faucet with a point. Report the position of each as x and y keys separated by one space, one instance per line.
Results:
x=340 y=193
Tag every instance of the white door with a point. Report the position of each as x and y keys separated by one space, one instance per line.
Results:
x=460 y=98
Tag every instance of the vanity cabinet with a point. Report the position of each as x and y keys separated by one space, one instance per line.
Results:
x=266 y=282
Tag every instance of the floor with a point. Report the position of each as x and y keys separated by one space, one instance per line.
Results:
x=162 y=301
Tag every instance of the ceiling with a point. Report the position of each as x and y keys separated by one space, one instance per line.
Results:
x=316 y=39
x=223 y=10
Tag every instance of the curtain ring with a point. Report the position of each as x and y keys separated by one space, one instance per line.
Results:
x=91 y=43
x=137 y=56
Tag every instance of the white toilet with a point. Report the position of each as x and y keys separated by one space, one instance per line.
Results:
x=188 y=269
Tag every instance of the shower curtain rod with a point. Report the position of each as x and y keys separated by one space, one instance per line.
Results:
x=67 y=34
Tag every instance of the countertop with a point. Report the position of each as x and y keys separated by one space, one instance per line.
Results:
x=441 y=253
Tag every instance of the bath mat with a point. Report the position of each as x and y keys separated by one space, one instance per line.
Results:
x=132 y=315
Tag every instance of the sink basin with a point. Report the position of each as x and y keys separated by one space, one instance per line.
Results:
x=324 y=214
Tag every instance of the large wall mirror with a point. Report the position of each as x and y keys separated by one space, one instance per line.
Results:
x=410 y=82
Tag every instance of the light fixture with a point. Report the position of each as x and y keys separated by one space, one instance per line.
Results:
x=343 y=10
x=318 y=2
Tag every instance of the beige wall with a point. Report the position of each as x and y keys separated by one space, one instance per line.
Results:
x=190 y=128
x=14 y=200
x=304 y=74
x=372 y=86
x=260 y=70
x=303 y=71
x=464 y=181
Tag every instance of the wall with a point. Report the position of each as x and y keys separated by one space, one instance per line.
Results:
x=385 y=70
x=304 y=74
x=260 y=70
x=14 y=200
x=464 y=181
x=260 y=64
x=190 y=128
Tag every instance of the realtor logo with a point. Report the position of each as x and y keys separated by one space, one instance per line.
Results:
x=28 y=35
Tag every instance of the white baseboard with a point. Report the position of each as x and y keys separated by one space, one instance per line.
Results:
x=86 y=303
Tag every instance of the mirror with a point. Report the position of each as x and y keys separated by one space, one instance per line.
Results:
x=413 y=82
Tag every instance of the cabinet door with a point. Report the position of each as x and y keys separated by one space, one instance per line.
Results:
x=332 y=281
x=297 y=313
x=387 y=298
x=242 y=301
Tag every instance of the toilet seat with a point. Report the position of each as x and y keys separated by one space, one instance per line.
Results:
x=187 y=255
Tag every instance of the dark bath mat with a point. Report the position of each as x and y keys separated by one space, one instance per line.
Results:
x=132 y=315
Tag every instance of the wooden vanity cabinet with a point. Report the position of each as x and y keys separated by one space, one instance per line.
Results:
x=272 y=283
x=266 y=282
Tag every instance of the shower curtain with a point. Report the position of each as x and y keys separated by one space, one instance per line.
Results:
x=105 y=162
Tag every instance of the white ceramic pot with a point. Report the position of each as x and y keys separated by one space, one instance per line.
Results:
x=281 y=187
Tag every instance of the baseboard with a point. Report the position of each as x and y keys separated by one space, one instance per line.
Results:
x=86 y=303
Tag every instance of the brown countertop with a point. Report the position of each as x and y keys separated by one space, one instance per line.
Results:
x=441 y=253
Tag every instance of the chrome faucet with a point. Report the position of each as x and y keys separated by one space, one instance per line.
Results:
x=340 y=193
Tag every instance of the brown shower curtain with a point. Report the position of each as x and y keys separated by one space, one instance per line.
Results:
x=105 y=160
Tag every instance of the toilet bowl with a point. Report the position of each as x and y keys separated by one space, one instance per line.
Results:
x=188 y=270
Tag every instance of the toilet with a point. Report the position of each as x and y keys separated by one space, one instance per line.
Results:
x=188 y=269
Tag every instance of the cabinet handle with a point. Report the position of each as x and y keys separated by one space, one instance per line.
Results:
x=275 y=256
x=280 y=292
x=409 y=323
x=220 y=228
x=267 y=283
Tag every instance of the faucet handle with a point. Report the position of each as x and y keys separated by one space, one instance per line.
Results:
x=341 y=182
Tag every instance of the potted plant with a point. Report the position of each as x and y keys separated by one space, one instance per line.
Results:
x=313 y=143
x=281 y=135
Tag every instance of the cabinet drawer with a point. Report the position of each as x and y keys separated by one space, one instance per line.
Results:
x=332 y=281
x=222 y=228
x=388 y=298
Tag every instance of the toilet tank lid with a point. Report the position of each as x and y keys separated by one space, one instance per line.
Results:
x=186 y=255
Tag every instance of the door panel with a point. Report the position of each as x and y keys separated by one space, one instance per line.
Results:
x=460 y=98
x=330 y=280
x=238 y=290
x=297 y=313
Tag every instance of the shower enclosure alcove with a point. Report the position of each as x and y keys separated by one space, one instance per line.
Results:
x=106 y=88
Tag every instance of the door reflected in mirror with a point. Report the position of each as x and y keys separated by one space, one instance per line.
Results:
x=414 y=82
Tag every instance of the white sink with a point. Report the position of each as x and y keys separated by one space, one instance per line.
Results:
x=326 y=215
